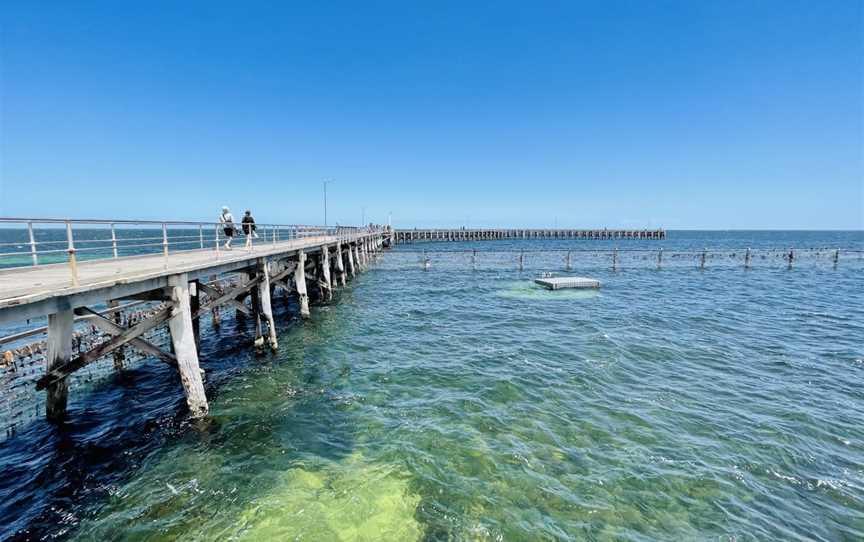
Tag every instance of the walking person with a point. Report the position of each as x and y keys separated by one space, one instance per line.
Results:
x=226 y=220
x=249 y=228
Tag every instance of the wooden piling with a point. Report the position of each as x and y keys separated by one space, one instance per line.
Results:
x=300 y=283
x=194 y=305
x=266 y=302
x=340 y=265
x=351 y=269
x=60 y=327
x=325 y=271
x=214 y=312
x=255 y=294
x=183 y=339
x=119 y=354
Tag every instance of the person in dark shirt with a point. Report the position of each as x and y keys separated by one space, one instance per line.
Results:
x=249 y=228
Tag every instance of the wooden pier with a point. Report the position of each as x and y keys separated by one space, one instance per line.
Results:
x=483 y=234
x=181 y=283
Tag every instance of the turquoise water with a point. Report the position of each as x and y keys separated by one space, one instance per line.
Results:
x=454 y=404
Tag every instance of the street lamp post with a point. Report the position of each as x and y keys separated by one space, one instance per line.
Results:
x=325 y=182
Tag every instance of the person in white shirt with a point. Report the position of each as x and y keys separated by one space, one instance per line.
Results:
x=226 y=219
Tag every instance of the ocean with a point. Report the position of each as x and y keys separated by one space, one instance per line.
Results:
x=461 y=402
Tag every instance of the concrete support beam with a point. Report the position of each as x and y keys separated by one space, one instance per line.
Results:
x=59 y=353
x=183 y=339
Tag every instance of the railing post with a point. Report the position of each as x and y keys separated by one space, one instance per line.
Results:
x=273 y=232
x=165 y=244
x=201 y=235
x=113 y=241
x=216 y=240
x=747 y=257
x=73 y=264
x=33 y=253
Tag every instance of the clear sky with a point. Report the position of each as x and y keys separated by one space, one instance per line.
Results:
x=690 y=114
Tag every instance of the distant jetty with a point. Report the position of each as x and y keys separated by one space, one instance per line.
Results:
x=483 y=234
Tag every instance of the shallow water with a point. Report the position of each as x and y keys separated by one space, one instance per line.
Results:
x=454 y=404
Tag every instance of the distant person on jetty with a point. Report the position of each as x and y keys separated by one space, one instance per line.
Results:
x=226 y=219
x=249 y=228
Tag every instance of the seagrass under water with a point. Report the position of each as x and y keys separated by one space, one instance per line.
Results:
x=472 y=405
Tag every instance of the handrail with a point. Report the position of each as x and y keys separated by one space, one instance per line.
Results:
x=108 y=238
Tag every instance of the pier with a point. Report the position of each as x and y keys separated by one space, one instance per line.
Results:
x=495 y=234
x=179 y=271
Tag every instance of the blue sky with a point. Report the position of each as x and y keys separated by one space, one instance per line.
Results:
x=677 y=114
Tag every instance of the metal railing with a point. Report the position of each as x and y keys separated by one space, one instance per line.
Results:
x=27 y=242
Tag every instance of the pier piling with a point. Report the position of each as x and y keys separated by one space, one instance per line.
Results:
x=59 y=353
x=266 y=302
x=350 y=254
x=340 y=265
x=325 y=271
x=183 y=339
x=300 y=284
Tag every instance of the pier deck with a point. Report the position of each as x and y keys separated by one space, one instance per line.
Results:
x=179 y=285
x=27 y=292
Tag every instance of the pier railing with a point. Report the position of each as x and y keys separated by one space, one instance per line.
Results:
x=26 y=242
